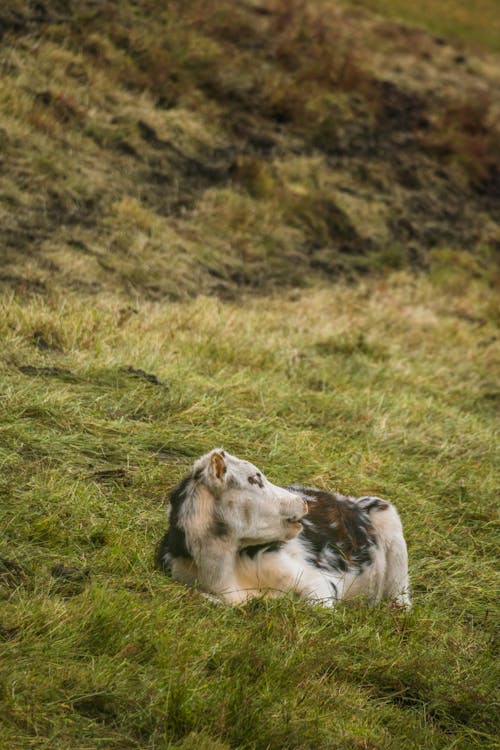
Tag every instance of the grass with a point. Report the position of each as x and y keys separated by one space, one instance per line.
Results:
x=181 y=184
x=478 y=26
x=246 y=147
x=386 y=387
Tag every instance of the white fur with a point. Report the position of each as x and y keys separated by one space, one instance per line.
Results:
x=229 y=506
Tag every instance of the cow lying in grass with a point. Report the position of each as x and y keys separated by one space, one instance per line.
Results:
x=238 y=536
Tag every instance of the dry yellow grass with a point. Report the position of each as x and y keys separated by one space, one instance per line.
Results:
x=240 y=148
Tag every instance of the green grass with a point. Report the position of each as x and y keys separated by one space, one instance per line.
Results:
x=386 y=387
x=476 y=24
x=181 y=182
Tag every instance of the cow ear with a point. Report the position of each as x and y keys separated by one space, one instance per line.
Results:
x=218 y=466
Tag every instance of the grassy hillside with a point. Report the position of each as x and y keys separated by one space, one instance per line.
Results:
x=271 y=226
x=163 y=148
x=385 y=388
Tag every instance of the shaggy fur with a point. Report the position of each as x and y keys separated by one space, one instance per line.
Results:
x=237 y=535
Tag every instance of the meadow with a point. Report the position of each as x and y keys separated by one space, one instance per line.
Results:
x=271 y=227
x=384 y=387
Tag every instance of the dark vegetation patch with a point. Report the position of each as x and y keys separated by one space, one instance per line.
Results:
x=12 y=574
x=69 y=581
x=111 y=475
x=147 y=376
x=51 y=372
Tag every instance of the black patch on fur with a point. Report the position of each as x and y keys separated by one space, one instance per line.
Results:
x=321 y=550
x=370 y=502
x=338 y=532
x=333 y=587
x=173 y=543
x=162 y=556
x=232 y=482
x=254 y=549
x=219 y=528
x=256 y=479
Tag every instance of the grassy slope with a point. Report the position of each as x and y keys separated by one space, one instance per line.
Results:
x=240 y=147
x=136 y=171
x=387 y=387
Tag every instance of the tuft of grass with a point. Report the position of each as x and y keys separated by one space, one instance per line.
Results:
x=462 y=134
x=387 y=386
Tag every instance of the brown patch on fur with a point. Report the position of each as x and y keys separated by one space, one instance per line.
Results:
x=341 y=520
x=218 y=465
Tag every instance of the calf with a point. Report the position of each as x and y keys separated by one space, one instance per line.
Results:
x=236 y=535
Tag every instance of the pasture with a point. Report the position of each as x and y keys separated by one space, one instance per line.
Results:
x=268 y=226
x=386 y=387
